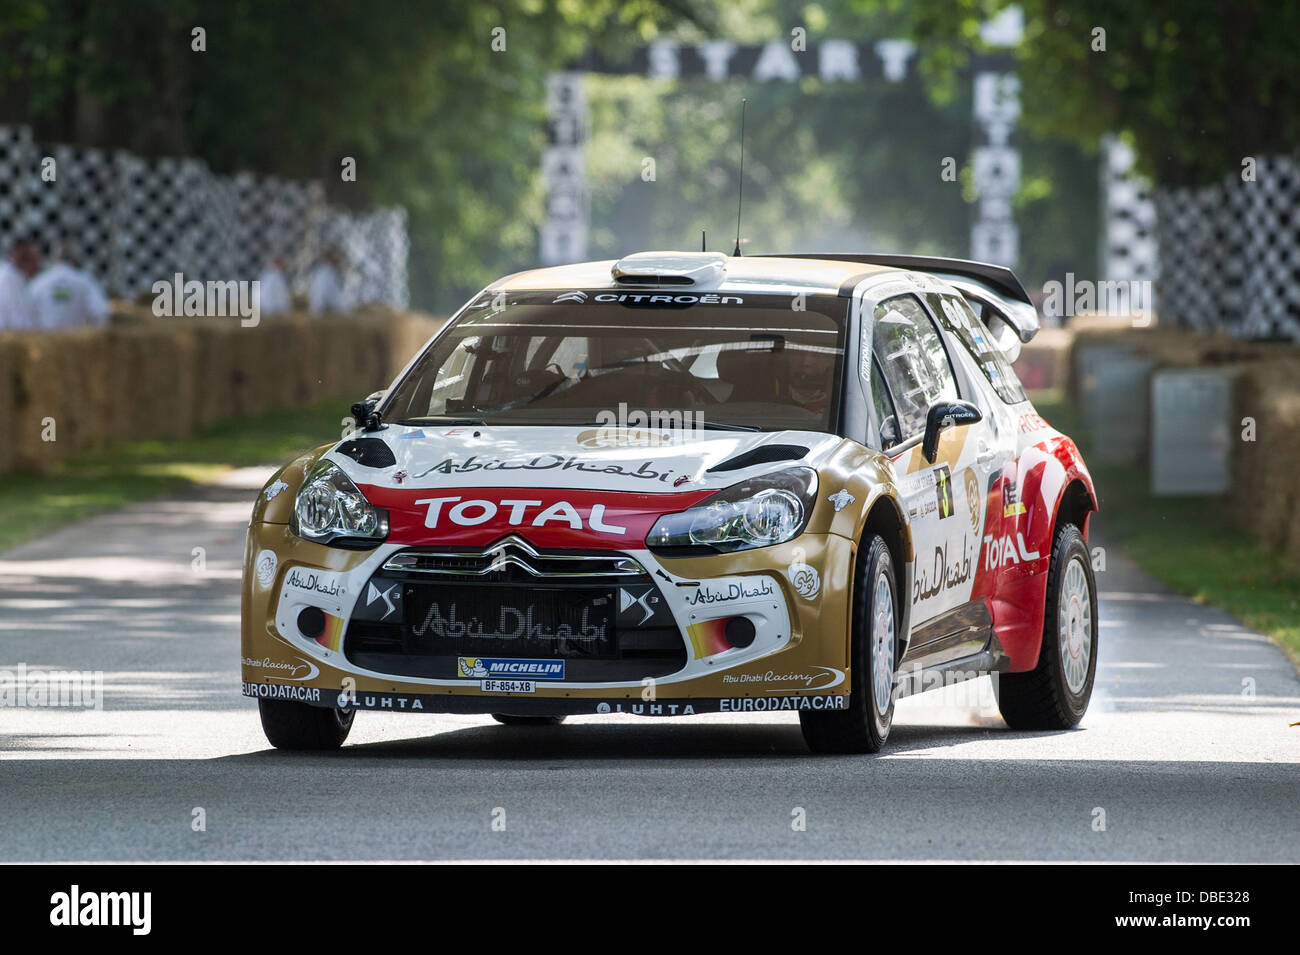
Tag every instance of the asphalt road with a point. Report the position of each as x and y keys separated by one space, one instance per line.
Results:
x=1185 y=754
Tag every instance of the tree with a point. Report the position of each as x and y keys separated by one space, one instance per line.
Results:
x=1197 y=84
x=438 y=116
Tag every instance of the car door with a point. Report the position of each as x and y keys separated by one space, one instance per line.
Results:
x=944 y=500
x=999 y=395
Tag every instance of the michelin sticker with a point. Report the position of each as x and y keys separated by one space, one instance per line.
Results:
x=482 y=668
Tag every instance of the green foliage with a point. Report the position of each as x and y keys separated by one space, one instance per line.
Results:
x=441 y=123
x=1197 y=84
x=827 y=167
x=436 y=119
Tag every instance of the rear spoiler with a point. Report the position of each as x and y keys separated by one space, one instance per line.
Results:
x=992 y=287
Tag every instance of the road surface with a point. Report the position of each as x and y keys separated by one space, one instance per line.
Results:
x=1185 y=755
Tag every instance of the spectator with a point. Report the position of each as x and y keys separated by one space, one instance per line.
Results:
x=325 y=285
x=64 y=296
x=16 y=312
x=275 y=288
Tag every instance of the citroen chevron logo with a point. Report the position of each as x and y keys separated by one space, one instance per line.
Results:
x=574 y=296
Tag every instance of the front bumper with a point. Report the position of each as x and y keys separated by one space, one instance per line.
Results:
x=510 y=629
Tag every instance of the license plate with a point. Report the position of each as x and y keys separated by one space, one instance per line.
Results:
x=508 y=686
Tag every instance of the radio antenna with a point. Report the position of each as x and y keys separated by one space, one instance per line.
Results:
x=740 y=197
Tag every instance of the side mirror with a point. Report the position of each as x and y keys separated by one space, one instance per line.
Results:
x=941 y=416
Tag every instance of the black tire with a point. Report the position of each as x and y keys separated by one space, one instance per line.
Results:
x=1043 y=698
x=864 y=726
x=509 y=719
x=291 y=725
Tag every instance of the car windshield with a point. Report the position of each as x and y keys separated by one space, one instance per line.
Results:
x=743 y=361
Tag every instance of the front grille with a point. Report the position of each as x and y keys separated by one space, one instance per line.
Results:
x=513 y=558
x=425 y=609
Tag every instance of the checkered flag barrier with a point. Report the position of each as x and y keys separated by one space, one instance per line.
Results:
x=1129 y=246
x=1230 y=253
x=136 y=221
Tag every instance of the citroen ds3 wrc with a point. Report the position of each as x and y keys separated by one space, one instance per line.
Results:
x=682 y=483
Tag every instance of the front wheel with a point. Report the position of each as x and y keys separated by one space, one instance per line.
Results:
x=1055 y=694
x=864 y=726
x=292 y=725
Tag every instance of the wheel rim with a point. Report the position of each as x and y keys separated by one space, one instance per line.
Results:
x=882 y=642
x=1074 y=625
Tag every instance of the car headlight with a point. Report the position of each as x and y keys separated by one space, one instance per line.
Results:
x=767 y=510
x=330 y=509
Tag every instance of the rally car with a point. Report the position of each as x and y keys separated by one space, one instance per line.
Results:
x=682 y=483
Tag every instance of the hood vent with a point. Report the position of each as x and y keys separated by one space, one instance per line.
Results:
x=368 y=452
x=670 y=268
x=767 y=454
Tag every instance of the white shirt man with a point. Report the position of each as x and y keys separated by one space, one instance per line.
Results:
x=275 y=291
x=16 y=312
x=66 y=297
x=325 y=290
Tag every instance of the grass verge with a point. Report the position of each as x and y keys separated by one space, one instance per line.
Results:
x=33 y=505
x=1189 y=543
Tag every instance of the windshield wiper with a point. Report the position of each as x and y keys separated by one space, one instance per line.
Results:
x=441 y=419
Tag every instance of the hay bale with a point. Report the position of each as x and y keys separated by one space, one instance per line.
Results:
x=148 y=377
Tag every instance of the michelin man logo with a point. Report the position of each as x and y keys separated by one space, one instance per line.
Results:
x=473 y=666
x=841 y=499
x=807 y=582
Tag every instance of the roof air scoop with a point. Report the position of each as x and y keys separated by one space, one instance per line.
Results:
x=670 y=268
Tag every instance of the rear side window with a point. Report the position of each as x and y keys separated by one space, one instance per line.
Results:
x=966 y=327
x=913 y=361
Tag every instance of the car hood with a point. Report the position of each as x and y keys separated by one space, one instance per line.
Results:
x=590 y=458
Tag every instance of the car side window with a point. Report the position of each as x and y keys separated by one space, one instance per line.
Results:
x=966 y=327
x=913 y=361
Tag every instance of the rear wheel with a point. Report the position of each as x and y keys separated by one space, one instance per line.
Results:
x=508 y=719
x=864 y=726
x=291 y=725
x=1055 y=694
